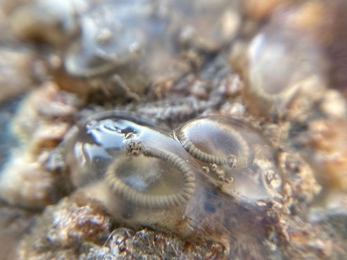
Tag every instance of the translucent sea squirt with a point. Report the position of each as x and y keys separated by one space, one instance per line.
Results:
x=273 y=77
x=230 y=151
x=203 y=180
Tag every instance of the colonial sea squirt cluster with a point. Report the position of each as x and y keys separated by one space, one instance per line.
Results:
x=202 y=179
x=173 y=130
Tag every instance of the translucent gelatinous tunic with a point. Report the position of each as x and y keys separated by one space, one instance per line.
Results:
x=211 y=177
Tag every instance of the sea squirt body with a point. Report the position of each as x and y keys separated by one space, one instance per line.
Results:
x=232 y=152
x=274 y=79
x=149 y=176
x=132 y=166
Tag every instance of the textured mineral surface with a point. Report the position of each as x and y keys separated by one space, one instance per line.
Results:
x=150 y=129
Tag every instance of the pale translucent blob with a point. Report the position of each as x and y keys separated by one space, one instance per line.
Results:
x=140 y=165
x=233 y=153
x=280 y=63
x=211 y=177
x=112 y=35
